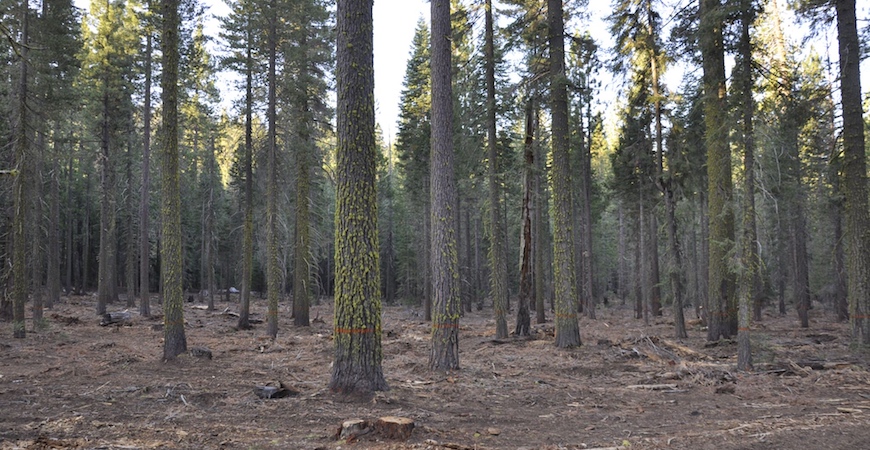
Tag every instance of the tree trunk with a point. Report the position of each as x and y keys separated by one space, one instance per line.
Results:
x=526 y=294
x=497 y=258
x=444 y=354
x=174 y=339
x=722 y=313
x=37 y=238
x=273 y=269
x=854 y=173
x=208 y=241
x=749 y=263
x=70 y=220
x=567 y=328
x=358 y=353
x=248 y=225
x=301 y=290
x=539 y=229
x=130 y=252
x=21 y=201
x=144 y=205
x=108 y=208
x=54 y=243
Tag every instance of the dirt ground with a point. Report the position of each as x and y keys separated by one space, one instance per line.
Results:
x=76 y=384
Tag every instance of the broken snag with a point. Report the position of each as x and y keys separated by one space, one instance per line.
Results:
x=392 y=427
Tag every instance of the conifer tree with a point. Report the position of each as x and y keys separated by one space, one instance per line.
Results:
x=357 y=365
x=174 y=339
x=567 y=328
x=444 y=353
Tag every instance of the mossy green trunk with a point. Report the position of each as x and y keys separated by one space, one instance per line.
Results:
x=497 y=259
x=445 y=258
x=357 y=323
x=854 y=174
x=174 y=339
x=567 y=327
x=722 y=311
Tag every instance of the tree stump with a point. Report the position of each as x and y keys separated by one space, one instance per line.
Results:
x=351 y=430
x=392 y=427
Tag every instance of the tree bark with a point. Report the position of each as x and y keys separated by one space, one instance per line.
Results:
x=854 y=173
x=144 y=203
x=497 y=260
x=21 y=201
x=174 y=339
x=357 y=365
x=749 y=262
x=526 y=294
x=444 y=353
x=722 y=313
x=567 y=327
x=273 y=269
x=248 y=225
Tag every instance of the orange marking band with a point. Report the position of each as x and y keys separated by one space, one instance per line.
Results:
x=354 y=330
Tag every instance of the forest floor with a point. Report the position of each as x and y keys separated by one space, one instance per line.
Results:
x=75 y=384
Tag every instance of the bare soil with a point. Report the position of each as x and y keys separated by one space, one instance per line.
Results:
x=76 y=384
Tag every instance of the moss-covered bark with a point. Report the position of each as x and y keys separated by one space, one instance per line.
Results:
x=175 y=341
x=722 y=311
x=854 y=174
x=445 y=258
x=357 y=324
x=567 y=327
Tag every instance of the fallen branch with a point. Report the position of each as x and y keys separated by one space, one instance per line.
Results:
x=653 y=387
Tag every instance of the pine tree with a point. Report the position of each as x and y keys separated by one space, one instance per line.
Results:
x=444 y=354
x=110 y=45
x=174 y=339
x=567 y=328
x=722 y=313
x=358 y=353
x=497 y=258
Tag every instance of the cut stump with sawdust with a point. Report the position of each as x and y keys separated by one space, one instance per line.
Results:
x=392 y=427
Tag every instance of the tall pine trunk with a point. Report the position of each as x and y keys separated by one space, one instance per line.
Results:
x=444 y=354
x=567 y=327
x=749 y=263
x=273 y=269
x=497 y=260
x=722 y=313
x=21 y=201
x=144 y=203
x=174 y=339
x=357 y=367
x=854 y=173
x=248 y=224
